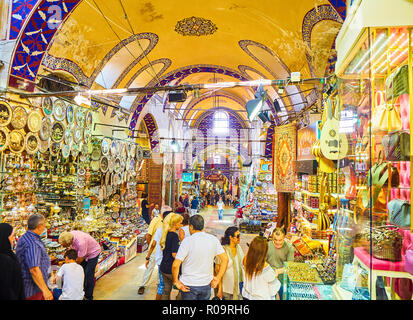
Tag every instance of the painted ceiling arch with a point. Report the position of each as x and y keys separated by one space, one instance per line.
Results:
x=152 y=129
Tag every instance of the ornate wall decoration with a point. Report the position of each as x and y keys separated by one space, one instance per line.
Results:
x=195 y=26
x=20 y=10
x=151 y=127
x=268 y=141
x=340 y=6
x=55 y=64
x=166 y=64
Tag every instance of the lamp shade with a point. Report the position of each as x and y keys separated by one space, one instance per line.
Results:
x=264 y=116
x=254 y=106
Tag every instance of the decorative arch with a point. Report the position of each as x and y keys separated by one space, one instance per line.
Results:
x=152 y=128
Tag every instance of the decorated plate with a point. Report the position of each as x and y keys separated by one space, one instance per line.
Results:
x=119 y=147
x=66 y=151
x=94 y=165
x=87 y=135
x=122 y=165
x=116 y=179
x=59 y=110
x=105 y=146
x=55 y=148
x=34 y=121
x=81 y=172
x=89 y=148
x=4 y=138
x=6 y=114
x=85 y=149
x=123 y=150
x=16 y=141
x=80 y=117
x=95 y=154
x=117 y=165
x=89 y=119
x=58 y=131
x=268 y=177
x=107 y=178
x=43 y=146
x=132 y=164
x=113 y=148
x=109 y=190
x=45 y=129
x=68 y=136
x=75 y=150
x=32 y=143
x=19 y=117
x=132 y=153
x=104 y=163
x=78 y=135
x=47 y=105
x=111 y=164
x=139 y=153
x=83 y=157
x=70 y=114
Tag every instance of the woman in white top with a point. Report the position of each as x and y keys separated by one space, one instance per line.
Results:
x=260 y=280
x=220 y=206
x=229 y=286
x=184 y=231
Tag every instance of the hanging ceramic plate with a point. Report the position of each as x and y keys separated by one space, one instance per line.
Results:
x=128 y=164
x=94 y=165
x=89 y=119
x=117 y=165
x=70 y=114
x=107 y=178
x=113 y=148
x=123 y=151
x=58 y=131
x=75 y=150
x=109 y=190
x=45 y=129
x=68 y=136
x=85 y=149
x=43 y=146
x=89 y=148
x=268 y=177
x=87 y=135
x=83 y=157
x=104 y=163
x=55 y=148
x=32 y=143
x=122 y=165
x=59 y=110
x=80 y=117
x=47 y=105
x=19 y=117
x=6 y=114
x=34 y=121
x=78 y=135
x=105 y=146
x=66 y=151
x=132 y=150
x=111 y=164
x=139 y=153
x=132 y=164
x=16 y=141
x=4 y=138
x=116 y=179
x=95 y=154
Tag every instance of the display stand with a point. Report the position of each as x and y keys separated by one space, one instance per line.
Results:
x=105 y=265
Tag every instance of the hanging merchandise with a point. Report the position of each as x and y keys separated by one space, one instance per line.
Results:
x=397 y=146
x=6 y=114
x=385 y=117
x=398 y=82
x=399 y=212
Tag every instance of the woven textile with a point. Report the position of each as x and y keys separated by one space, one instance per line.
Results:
x=284 y=156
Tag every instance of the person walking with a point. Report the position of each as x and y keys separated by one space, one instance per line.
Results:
x=196 y=255
x=186 y=203
x=11 y=281
x=155 y=211
x=220 y=206
x=194 y=206
x=145 y=208
x=230 y=284
x=155 y=224
x=184 y=231
x=280 y=250
x=34 y=260
x=260 y=280
x=169 y=244
x=88 y=251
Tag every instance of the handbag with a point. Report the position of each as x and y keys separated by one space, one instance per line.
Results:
x=398 y=82
x=381 y=114
x=399 y=212
x=397 y=146
x=386 y=240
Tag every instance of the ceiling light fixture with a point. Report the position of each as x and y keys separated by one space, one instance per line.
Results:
x=255 y=105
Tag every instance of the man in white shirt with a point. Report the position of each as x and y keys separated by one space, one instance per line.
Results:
x=72 y=276
x=196 y=254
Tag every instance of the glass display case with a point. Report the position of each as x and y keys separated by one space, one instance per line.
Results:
x=373 y=226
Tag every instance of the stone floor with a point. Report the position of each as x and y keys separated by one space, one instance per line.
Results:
x=123 y=282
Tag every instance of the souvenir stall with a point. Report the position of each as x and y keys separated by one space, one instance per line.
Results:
x=54 y=163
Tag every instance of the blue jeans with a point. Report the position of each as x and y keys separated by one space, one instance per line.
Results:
x=220 y=214
x=197 y=293
x=89 y=283
x=57 y=293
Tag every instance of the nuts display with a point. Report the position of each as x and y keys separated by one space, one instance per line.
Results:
x=302 y=272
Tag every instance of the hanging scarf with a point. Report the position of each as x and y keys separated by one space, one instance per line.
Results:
x=238 y=276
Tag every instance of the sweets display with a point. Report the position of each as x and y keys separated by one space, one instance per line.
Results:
x=302 y=272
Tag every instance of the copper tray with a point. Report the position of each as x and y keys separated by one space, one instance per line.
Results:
x=58 y=132
x=6 y=114
x=19 y=118
x=45 y=129
x=4 y=138
x=32 y=143
x=16 y=141
x=34 y=121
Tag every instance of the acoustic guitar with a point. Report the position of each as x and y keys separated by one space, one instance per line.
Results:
x=334 y=145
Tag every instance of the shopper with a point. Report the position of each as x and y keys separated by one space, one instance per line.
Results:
x=184 y=231
x=179 y=207
x=155 y=224
x=88 y=251
x=11 y=281
x=186 y=203
x=280 y=250
x=70 y=278
x=260 y=280
x=270 y=228
x=145 y=208
x=220 y=206
x=196 y=254
x=229 y=286
x=34 y=260
x=194 y=206
x=169 y=244
x=155 y=211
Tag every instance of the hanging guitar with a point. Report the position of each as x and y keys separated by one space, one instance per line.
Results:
x=334 y=145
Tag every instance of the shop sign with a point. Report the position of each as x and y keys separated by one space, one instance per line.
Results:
x=214 y=177
x=306 y=138
x=187 y=177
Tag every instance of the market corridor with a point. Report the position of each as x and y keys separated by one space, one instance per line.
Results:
x=123 y=282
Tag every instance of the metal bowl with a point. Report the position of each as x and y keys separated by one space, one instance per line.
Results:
x=16 y=141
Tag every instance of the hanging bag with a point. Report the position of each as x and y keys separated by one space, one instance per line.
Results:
x=398 y=82
x=399 y=212
x=397 y=146
x=381 y=114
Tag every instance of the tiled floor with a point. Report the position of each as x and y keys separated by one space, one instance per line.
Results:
x=123 y=282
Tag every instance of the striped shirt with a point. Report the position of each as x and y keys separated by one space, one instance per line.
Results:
x=30 y=252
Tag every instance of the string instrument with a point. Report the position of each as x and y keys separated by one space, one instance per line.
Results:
x=334 y=145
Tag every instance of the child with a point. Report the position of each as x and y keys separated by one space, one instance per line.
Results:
x=155 y=211
x=72 y=275
x=220 y=206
